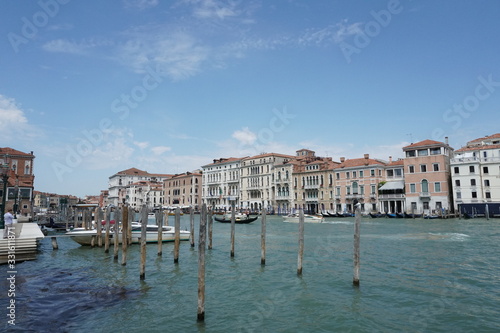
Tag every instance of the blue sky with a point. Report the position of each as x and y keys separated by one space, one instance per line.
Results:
x=95 y=87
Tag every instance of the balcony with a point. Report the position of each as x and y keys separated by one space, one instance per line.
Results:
x=424 y=195
x=283 y=197
x=311 y=186
x=312 y=199
x=391 y=196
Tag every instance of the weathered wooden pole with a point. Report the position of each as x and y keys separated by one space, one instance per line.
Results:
x=201 y=263
x=84 y=219
x=191 y=225
x=263 y=239
x=357 y=223
x=159 y=223
x=233 y=222
x=98 y=221
x=124 y=233
x=106 y=237
x=144 y=223
x=301 y=242
x=177 y=241
x=54 y=243
x=131 y=216
x=210 y=229
x=116 y=237
x=487 y=211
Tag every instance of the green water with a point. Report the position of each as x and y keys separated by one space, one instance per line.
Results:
x=416 y=276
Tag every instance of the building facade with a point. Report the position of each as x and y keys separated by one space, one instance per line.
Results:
x=221 y=183
x=20 y=181
x=475 y=172
x=183 y=190
x=427 y=177
x=118 y=183
x=357 y=180
x=257 y=187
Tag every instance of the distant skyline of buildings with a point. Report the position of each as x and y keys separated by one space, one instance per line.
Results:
x=431 y=178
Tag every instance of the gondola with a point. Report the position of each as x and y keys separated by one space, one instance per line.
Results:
x=238 y=220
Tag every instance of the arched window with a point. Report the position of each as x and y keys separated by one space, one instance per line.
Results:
x=425 y=186
x=355 y=188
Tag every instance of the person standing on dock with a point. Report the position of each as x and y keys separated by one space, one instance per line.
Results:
x=8 y=222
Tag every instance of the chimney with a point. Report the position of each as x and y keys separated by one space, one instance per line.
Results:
x=367 y=156
x=390 y=159
x=342 y=159
x=446 y=140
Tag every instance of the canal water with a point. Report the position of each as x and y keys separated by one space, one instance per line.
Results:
x=416 y=276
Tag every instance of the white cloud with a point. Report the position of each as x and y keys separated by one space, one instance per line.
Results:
x=141 y=145
x=158 y=150
x=210 y=9
x=336 y=33
x=245 y=136
x=176 y=55
x=14 y=125
x=66 y=46
x=141 y=4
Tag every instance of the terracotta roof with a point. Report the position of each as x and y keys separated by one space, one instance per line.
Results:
x=472 y=148
x=357 y=162
x=424 y=143
x=396 y=163
x=488 y=137
x=268 y=155
x=11 y=151
x=138 y=172
x=224 y=160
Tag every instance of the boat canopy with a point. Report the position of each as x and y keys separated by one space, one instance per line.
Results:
x=394 y=185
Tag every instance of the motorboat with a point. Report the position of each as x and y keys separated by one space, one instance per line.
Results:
x=294 y=218
x=84 y=236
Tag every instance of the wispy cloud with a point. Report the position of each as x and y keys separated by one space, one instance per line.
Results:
x=141 y=4
x=159 y=150
x=13 y=122
x=73 y=47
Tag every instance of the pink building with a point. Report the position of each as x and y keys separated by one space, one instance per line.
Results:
x=427 y=177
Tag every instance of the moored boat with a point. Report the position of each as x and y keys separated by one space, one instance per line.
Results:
x=84 y=237
x=238 y=218
x=294 y=218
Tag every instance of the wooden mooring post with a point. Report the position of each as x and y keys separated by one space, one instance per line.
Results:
x=98 y=221
x=191 y=225
x=357 y=222
x=201 y=263
x=106 y=237
x=210 y=223
x=54 y=243
x=263 y=239
x=125 y=227
x=233 y=222
x=144 y=223
x=116 y=237
x=177 y=241
x=301 y=242
x=159 y=223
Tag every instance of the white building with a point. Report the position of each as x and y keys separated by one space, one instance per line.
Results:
x=119 y=182
x=475 y=172
x=257 y=184
x=221 y=183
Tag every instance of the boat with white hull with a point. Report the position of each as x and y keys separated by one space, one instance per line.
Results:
x=294 y=218
x=84 y=237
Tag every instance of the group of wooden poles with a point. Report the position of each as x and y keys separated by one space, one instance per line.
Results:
x=124 y=215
